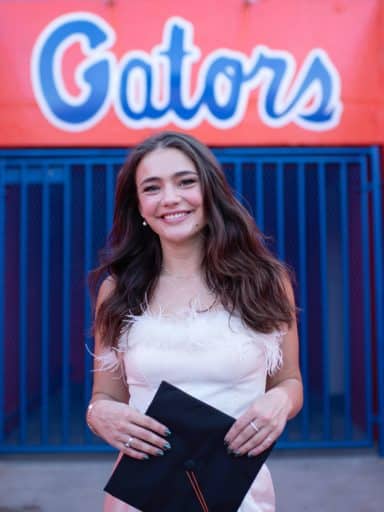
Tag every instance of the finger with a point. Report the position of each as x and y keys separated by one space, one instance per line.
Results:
x=146 y=422
x=254 y=441
x=266 y=443
x=238 y=437
x=139 y=448
x=123 y=445
x=240 y=424
x=241 y=438
x=131 y=451
x=149 y=437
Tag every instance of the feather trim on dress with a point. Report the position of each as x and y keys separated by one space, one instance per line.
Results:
x=108 y=361
x=197 y=331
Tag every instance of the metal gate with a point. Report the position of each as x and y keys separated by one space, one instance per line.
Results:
x=322 y=208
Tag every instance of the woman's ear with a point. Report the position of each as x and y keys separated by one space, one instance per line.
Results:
x=143 y=221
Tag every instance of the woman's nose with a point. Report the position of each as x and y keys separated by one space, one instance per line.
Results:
x=170 y=195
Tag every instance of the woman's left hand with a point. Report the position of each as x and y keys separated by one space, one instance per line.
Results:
x=260 y=425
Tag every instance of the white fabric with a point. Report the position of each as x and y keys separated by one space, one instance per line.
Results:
x=210 y=355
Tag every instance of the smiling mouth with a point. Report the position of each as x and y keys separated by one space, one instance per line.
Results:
x=175 y=216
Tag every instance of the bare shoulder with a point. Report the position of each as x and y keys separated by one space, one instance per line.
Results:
x=106 y=289
x=288 y=287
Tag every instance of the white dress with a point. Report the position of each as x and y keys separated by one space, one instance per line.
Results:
x=209 y=355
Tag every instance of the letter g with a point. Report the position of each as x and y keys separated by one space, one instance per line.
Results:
x=93 y=75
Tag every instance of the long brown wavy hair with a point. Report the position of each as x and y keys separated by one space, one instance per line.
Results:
x=239 y=269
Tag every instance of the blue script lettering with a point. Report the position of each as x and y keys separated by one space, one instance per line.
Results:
x=74 y=113
x=231 y=70
x=312 y=101
x=135 y=107
x=154 y=89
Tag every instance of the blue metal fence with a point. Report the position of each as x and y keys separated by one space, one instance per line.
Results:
x=322 y=208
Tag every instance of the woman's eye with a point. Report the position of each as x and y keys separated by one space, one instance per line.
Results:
x=187 y=182
x=150 y=188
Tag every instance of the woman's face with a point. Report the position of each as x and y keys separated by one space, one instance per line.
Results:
x=170 y=196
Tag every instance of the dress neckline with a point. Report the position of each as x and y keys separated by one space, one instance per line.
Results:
x=183 y=314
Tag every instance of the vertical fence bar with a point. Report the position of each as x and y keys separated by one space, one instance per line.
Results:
x=109 y=196
x=280 y=245
x=344 y=228
x=238 y=180
x=322 y=208
x=280 y=210
x=88 y=229
x=66 y=395
x=366 y=287
x=259 y=195
x=303 y=324
x=2 y=292
x=45 y=307
x=23 y=273
x=379 y=288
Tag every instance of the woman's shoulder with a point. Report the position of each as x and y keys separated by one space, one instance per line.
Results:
x=106 y=289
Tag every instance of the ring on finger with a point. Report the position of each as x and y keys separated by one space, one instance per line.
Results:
x=128 y=444
x=254 y=426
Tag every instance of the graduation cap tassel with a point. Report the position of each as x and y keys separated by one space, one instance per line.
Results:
x=195 y=486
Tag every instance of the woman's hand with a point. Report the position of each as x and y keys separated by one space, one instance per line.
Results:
x=260 y=425
x=135 y=434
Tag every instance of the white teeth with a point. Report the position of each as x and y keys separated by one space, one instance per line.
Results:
x=175 y=215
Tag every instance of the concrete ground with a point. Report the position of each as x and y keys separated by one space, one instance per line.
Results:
x=312 y=481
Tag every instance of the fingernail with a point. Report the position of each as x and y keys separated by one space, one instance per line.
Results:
x=166 y=446
x=237 y=454
x=159 y=452
x=145 y=456
x=167 y=432
x=230 y=451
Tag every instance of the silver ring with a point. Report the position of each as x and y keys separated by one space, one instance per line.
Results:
x=254 y=426
x=129 y=442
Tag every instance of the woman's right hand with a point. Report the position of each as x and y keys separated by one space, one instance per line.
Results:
x=133 y=433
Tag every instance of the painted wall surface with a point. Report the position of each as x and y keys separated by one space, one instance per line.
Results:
x=107 y=73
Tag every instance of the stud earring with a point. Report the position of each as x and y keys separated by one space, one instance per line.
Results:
x=144 y=223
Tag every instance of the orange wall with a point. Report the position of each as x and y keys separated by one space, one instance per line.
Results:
x=227 y=90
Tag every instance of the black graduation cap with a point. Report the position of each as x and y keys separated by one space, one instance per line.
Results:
x=197 y=474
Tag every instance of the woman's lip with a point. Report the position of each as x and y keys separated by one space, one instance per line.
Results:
x=175 y=216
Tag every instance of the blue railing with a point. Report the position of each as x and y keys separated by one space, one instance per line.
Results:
x=322 y=208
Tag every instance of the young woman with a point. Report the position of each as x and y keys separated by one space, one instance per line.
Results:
x=190 y=294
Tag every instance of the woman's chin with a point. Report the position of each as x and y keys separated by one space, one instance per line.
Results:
x=180 y=238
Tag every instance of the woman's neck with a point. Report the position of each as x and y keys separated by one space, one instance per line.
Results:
x=182 y=260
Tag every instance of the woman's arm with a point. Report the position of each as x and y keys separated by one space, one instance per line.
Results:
x=287 y=380
x=109 y=414
x=282 y=401
x=108 y=385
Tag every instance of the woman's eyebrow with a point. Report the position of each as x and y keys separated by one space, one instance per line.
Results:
x=176 y=175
